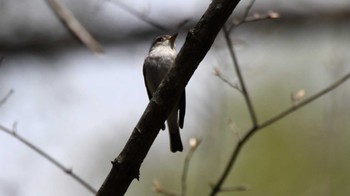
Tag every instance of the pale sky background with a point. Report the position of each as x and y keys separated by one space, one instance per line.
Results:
x=81 y=108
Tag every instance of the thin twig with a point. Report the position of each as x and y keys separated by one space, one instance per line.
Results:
x=194 y=143
x=304 y=102
x=146 y=19
x=232 y=85
x=220 y=76
x=256 y=17
x=7 y=96
x=68 y=171
x=250 y=133
x=139 y=15
x=75 y=27
x=240 y=77
x=247 y=10
x=245 y=15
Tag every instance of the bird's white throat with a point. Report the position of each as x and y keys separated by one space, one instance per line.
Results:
x=162 y=50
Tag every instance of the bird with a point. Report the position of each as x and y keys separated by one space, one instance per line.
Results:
x=158 y=62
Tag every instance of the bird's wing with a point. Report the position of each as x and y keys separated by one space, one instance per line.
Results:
x=182 y=108
x=146 y=64
x=144 y=77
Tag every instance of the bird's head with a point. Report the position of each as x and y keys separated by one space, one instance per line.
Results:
x=163 y=43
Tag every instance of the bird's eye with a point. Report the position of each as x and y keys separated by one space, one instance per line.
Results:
x=159 y=39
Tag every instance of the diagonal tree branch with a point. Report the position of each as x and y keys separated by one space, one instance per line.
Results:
x=48 y=157
x=304 y=102
x=45 y=155
x=74 y=26
x=198 y=42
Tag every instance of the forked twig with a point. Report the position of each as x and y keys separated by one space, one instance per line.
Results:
x=252 y=131
x=222 y=78
x=245 y=15
x=256 y=17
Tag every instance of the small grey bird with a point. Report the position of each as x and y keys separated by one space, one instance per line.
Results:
x=159 y=61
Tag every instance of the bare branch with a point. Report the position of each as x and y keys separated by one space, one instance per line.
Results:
x=245 y=15
x=198 y=41
x=157 y=187
x=46 y=156
x=74 y=26
x=194 y=143
x=304 y=102
x=140 y=16
x=7 y=96
x=237 y=149
x=247 y=10
x=143 y=17
x=220 y=76
x=256 y=17
x=240 y=77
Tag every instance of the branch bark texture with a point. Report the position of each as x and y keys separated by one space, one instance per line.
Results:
x=198 y=42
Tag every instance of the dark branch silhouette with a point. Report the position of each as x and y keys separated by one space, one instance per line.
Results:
x=198 y=42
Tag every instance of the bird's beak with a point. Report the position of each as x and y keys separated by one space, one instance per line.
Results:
x=172 y=40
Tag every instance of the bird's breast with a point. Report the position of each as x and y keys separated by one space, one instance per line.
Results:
x=162 y=51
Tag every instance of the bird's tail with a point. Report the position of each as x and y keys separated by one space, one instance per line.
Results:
x=174 y=133
x=175 y=142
